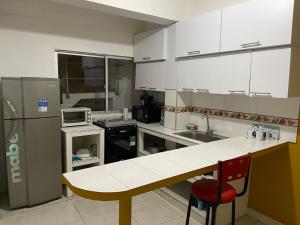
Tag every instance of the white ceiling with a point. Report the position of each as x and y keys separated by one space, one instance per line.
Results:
x=164 y=12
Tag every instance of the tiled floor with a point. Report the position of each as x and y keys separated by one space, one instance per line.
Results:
x=148 y=209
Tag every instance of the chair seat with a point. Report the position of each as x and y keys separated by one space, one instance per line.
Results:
x=207 y=190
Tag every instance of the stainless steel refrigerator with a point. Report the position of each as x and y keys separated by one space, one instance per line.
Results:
x=30 y=137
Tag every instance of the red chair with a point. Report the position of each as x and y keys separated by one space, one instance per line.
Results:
x=216 y=192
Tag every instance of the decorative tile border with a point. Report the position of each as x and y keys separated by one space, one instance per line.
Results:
x=236 y=115
x=179 y=109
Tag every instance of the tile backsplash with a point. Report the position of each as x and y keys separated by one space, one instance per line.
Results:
x=231 y=115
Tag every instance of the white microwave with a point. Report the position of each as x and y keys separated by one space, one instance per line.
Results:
x=77 y=116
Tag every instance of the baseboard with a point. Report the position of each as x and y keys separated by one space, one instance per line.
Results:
x=262 y=218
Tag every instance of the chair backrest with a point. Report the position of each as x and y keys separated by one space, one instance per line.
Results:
x=233 y=169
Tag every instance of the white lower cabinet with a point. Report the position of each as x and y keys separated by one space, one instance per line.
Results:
x=270 y=73
x=234 y=73
x=199 y=75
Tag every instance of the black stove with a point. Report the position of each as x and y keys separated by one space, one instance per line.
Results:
x=120 y=139
x=114 y=123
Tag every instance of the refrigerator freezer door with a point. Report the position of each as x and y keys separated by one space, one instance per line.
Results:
x=40 y=97
x=15 y=163
x=43 y=152
x=11 y=98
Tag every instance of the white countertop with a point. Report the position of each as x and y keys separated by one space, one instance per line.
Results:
x=134 y=173
x=84 y=128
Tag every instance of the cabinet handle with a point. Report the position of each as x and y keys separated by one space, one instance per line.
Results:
x=146 y=58
x=252 y=44
x=187 y=89
x=237 y=92
x=266 y=94
x=153 y=89
x=203 y=90
x=193 y=52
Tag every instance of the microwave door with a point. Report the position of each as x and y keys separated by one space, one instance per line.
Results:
x=72 y=118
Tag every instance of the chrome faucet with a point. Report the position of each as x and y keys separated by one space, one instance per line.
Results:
x=208 y=130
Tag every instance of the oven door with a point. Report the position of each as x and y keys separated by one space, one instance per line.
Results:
x=121 y=144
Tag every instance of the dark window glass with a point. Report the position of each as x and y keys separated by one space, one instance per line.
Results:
x=82 y=81
x=120 y=84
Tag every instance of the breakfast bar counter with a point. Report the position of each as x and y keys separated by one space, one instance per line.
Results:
x=125 y=179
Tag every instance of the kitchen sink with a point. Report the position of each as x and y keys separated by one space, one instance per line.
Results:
x=200 y=136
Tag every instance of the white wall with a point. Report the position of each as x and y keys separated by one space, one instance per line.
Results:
x=31 y=30
x=226 y=126
x=196 y=7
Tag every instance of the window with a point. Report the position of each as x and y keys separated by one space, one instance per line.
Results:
x=83 y=82
x=120 y=83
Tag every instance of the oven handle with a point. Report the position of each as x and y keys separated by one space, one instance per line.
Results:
x=119 y=135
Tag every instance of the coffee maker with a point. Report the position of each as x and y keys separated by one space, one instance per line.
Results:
x=148 y=111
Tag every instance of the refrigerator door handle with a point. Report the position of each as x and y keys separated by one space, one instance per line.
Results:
x=11 y=107
x=14 y=125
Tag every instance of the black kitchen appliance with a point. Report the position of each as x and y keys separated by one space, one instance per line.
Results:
x=148 y=111
x=120 y=139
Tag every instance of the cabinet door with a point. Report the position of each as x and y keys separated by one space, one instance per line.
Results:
x=257 y=23
x=171 y=78
x=270 y=73
x=141 y=78
x=150 y=46
x=150 y=76
x=198 y=36
x=199 y=75
x=186 y=75
x=234 y=73
x=207 y=76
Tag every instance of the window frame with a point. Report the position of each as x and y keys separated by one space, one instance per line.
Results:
x=106 y=57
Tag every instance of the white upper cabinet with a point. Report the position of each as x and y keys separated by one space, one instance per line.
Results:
x=186 y=75
x=150 y=46
x=150 y=76
x=270 y=73
x=171 y=75
x=199 y=35
x=234 y=73
x=158 y=75
x=199 y=75
x=257 y=24
x=141 y=79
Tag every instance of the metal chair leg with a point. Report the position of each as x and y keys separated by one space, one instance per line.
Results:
x=213 y=217
x=189 y=210
x=233 y=213
x=207 y=214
